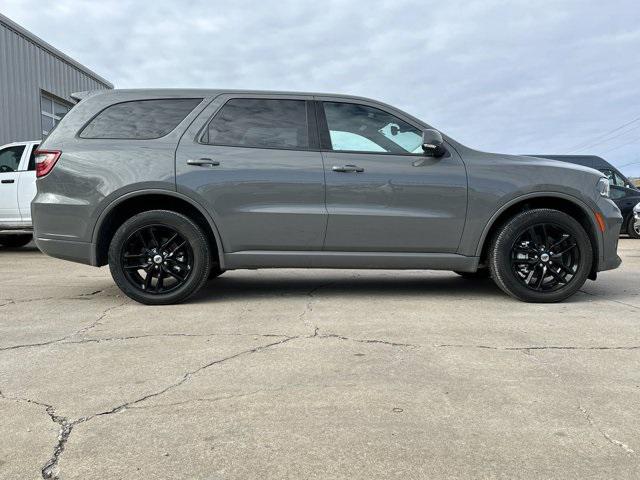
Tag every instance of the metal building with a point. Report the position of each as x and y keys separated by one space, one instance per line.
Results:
x=36 y=81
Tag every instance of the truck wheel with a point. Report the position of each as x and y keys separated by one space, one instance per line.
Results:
x=633 y=228
x=541 y=255
x=159 y=257
x=15 y=241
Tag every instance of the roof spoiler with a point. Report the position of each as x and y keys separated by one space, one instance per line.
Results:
x=79 y=96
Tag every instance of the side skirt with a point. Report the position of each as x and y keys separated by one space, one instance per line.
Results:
x=378 y=260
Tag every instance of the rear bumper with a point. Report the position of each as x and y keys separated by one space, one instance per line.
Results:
x=80 y=252
x=609 y=258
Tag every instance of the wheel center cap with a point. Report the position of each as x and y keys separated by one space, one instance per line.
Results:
x=544 y=257
x=157 y=259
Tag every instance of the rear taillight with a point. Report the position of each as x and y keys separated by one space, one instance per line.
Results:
x=45 y=161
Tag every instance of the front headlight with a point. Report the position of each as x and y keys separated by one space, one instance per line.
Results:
x=636 y=210
x=603 y=187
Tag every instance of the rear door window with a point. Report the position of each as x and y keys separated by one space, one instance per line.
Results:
x=140 y=120
x=260 y=123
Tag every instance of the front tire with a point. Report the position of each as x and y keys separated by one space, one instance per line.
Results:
x=15 y=241
x=541 y=255
x=633 y=228
x=159 y=257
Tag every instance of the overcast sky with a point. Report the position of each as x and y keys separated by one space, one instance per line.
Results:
x=507 y=76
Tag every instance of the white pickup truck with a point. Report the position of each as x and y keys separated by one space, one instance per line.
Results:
x=17 y=189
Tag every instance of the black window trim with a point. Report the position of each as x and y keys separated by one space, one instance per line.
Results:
x=81 y=129
x=325 y=138
x=312 y=128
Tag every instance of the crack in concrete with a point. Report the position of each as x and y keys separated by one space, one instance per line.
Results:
x=81 y=331
x=309 y=306
x=90 y=294
x=366 y=340
x=187 y=376
x=536 y=347
x=50 y=469
x=66 y=341
x=608 y=437
x=12 y=301
x=27 y=300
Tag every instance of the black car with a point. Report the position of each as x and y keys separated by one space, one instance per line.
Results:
x=624 y=193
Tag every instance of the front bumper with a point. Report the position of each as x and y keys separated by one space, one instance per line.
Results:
x=608 y=258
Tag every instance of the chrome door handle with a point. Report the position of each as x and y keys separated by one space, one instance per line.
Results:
x=201 y=162
x=10 y=180
x=348 y=169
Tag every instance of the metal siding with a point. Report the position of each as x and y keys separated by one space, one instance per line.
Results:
x=26 y=68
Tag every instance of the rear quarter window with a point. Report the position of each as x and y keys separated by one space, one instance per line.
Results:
x=140 y=119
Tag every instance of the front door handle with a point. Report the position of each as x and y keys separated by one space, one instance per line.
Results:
x=201 y=162
x=10 y=180
x=348 y=169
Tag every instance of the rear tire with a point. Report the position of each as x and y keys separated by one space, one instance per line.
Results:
x=541 y=255
x=632 y=230
x=15 y=241
x=159 y=257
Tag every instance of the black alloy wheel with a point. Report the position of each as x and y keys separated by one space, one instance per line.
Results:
x=157 y=259
x=541 y=255
x=545 y=257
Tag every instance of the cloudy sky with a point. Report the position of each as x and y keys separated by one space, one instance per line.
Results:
x=510 y=76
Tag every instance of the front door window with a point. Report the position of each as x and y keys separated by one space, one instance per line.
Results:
x=360 y=128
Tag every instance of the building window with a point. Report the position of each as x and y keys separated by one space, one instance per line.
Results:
x=52 y=111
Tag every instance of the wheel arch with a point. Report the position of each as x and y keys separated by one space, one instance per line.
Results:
x=118 y=211
x=557 y=201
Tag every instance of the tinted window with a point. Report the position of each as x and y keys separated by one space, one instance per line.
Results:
x=10 y=158
x=614 y=178
x=366 y=129
x=617 y=193
x=142 y=119
x=261 y=123
x=32 y=158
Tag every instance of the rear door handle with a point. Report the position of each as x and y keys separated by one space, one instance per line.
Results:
x=10 y=180
x=201 y=162
x=348 y=169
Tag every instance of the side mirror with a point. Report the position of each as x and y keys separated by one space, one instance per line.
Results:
x=432 y=143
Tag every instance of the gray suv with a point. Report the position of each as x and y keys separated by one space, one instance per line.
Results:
x=173 y=187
